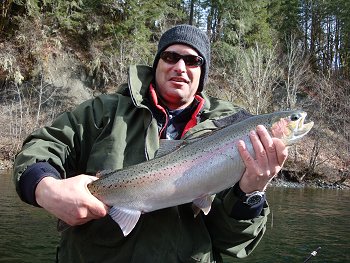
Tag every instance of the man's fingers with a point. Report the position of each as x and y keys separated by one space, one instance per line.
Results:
x=258 y=146
x=248 y=160
x=267 y=144
x=261 y=155
x=276 y=150
x=281 y=150
x=245 y=155
x=270 y=154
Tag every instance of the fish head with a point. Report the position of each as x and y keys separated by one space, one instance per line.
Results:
x=290 y=126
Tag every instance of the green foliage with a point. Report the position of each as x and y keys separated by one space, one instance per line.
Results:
x=287 y=18
x=239 y=22
x=118 y=27
x=224 y=54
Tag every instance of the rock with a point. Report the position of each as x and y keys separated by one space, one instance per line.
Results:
x=66 y=74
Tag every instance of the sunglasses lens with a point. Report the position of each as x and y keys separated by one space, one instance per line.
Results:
x=191 y=60
x=173 y=58
x=170 y=57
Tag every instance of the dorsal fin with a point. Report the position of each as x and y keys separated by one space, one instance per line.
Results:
x=168 y=146
x=233 y=118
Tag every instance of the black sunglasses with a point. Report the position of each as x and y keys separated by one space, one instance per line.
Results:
x=173 y=57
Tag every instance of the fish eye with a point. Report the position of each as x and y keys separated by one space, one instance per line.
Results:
x=295 y=116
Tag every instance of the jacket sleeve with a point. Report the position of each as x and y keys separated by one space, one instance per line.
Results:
x=236 y=238
x=65 y=144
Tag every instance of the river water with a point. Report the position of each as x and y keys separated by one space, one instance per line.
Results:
x=301 y=221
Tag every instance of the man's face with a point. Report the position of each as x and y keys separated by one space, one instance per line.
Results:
x=176 y=82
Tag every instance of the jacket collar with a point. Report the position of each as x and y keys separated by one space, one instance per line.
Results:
x=139 y=80
x=194 y=111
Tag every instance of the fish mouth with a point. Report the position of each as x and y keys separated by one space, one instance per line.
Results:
x=301 y=128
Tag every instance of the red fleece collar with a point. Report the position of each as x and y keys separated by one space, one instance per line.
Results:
x=191 y=123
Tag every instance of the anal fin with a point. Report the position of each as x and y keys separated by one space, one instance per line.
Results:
x=203 y=203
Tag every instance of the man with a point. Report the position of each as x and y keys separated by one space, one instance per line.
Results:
x=117 y=130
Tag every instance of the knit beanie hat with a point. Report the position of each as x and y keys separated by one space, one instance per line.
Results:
x=191 y=36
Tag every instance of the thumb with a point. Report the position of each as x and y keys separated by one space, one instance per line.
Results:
x=97 y=208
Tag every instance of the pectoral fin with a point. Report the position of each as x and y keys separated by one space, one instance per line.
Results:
x=125 y=218
x=203 y=203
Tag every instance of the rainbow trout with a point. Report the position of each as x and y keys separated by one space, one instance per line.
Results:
x=193 y=172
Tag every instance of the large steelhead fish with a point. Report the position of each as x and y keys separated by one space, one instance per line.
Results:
x=193 y=172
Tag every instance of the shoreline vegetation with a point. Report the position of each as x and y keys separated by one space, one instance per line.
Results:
x=265 y=57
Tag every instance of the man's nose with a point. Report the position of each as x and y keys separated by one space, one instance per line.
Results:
x=180 y=66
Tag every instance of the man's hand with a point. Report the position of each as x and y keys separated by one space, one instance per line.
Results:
x=69 y=199
x=270 y=156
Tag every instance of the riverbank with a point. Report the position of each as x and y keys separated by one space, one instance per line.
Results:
x=316 y=183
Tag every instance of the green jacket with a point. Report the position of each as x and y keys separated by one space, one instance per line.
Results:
x=117 y=130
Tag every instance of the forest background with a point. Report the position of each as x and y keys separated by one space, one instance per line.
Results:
x=266 y=56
